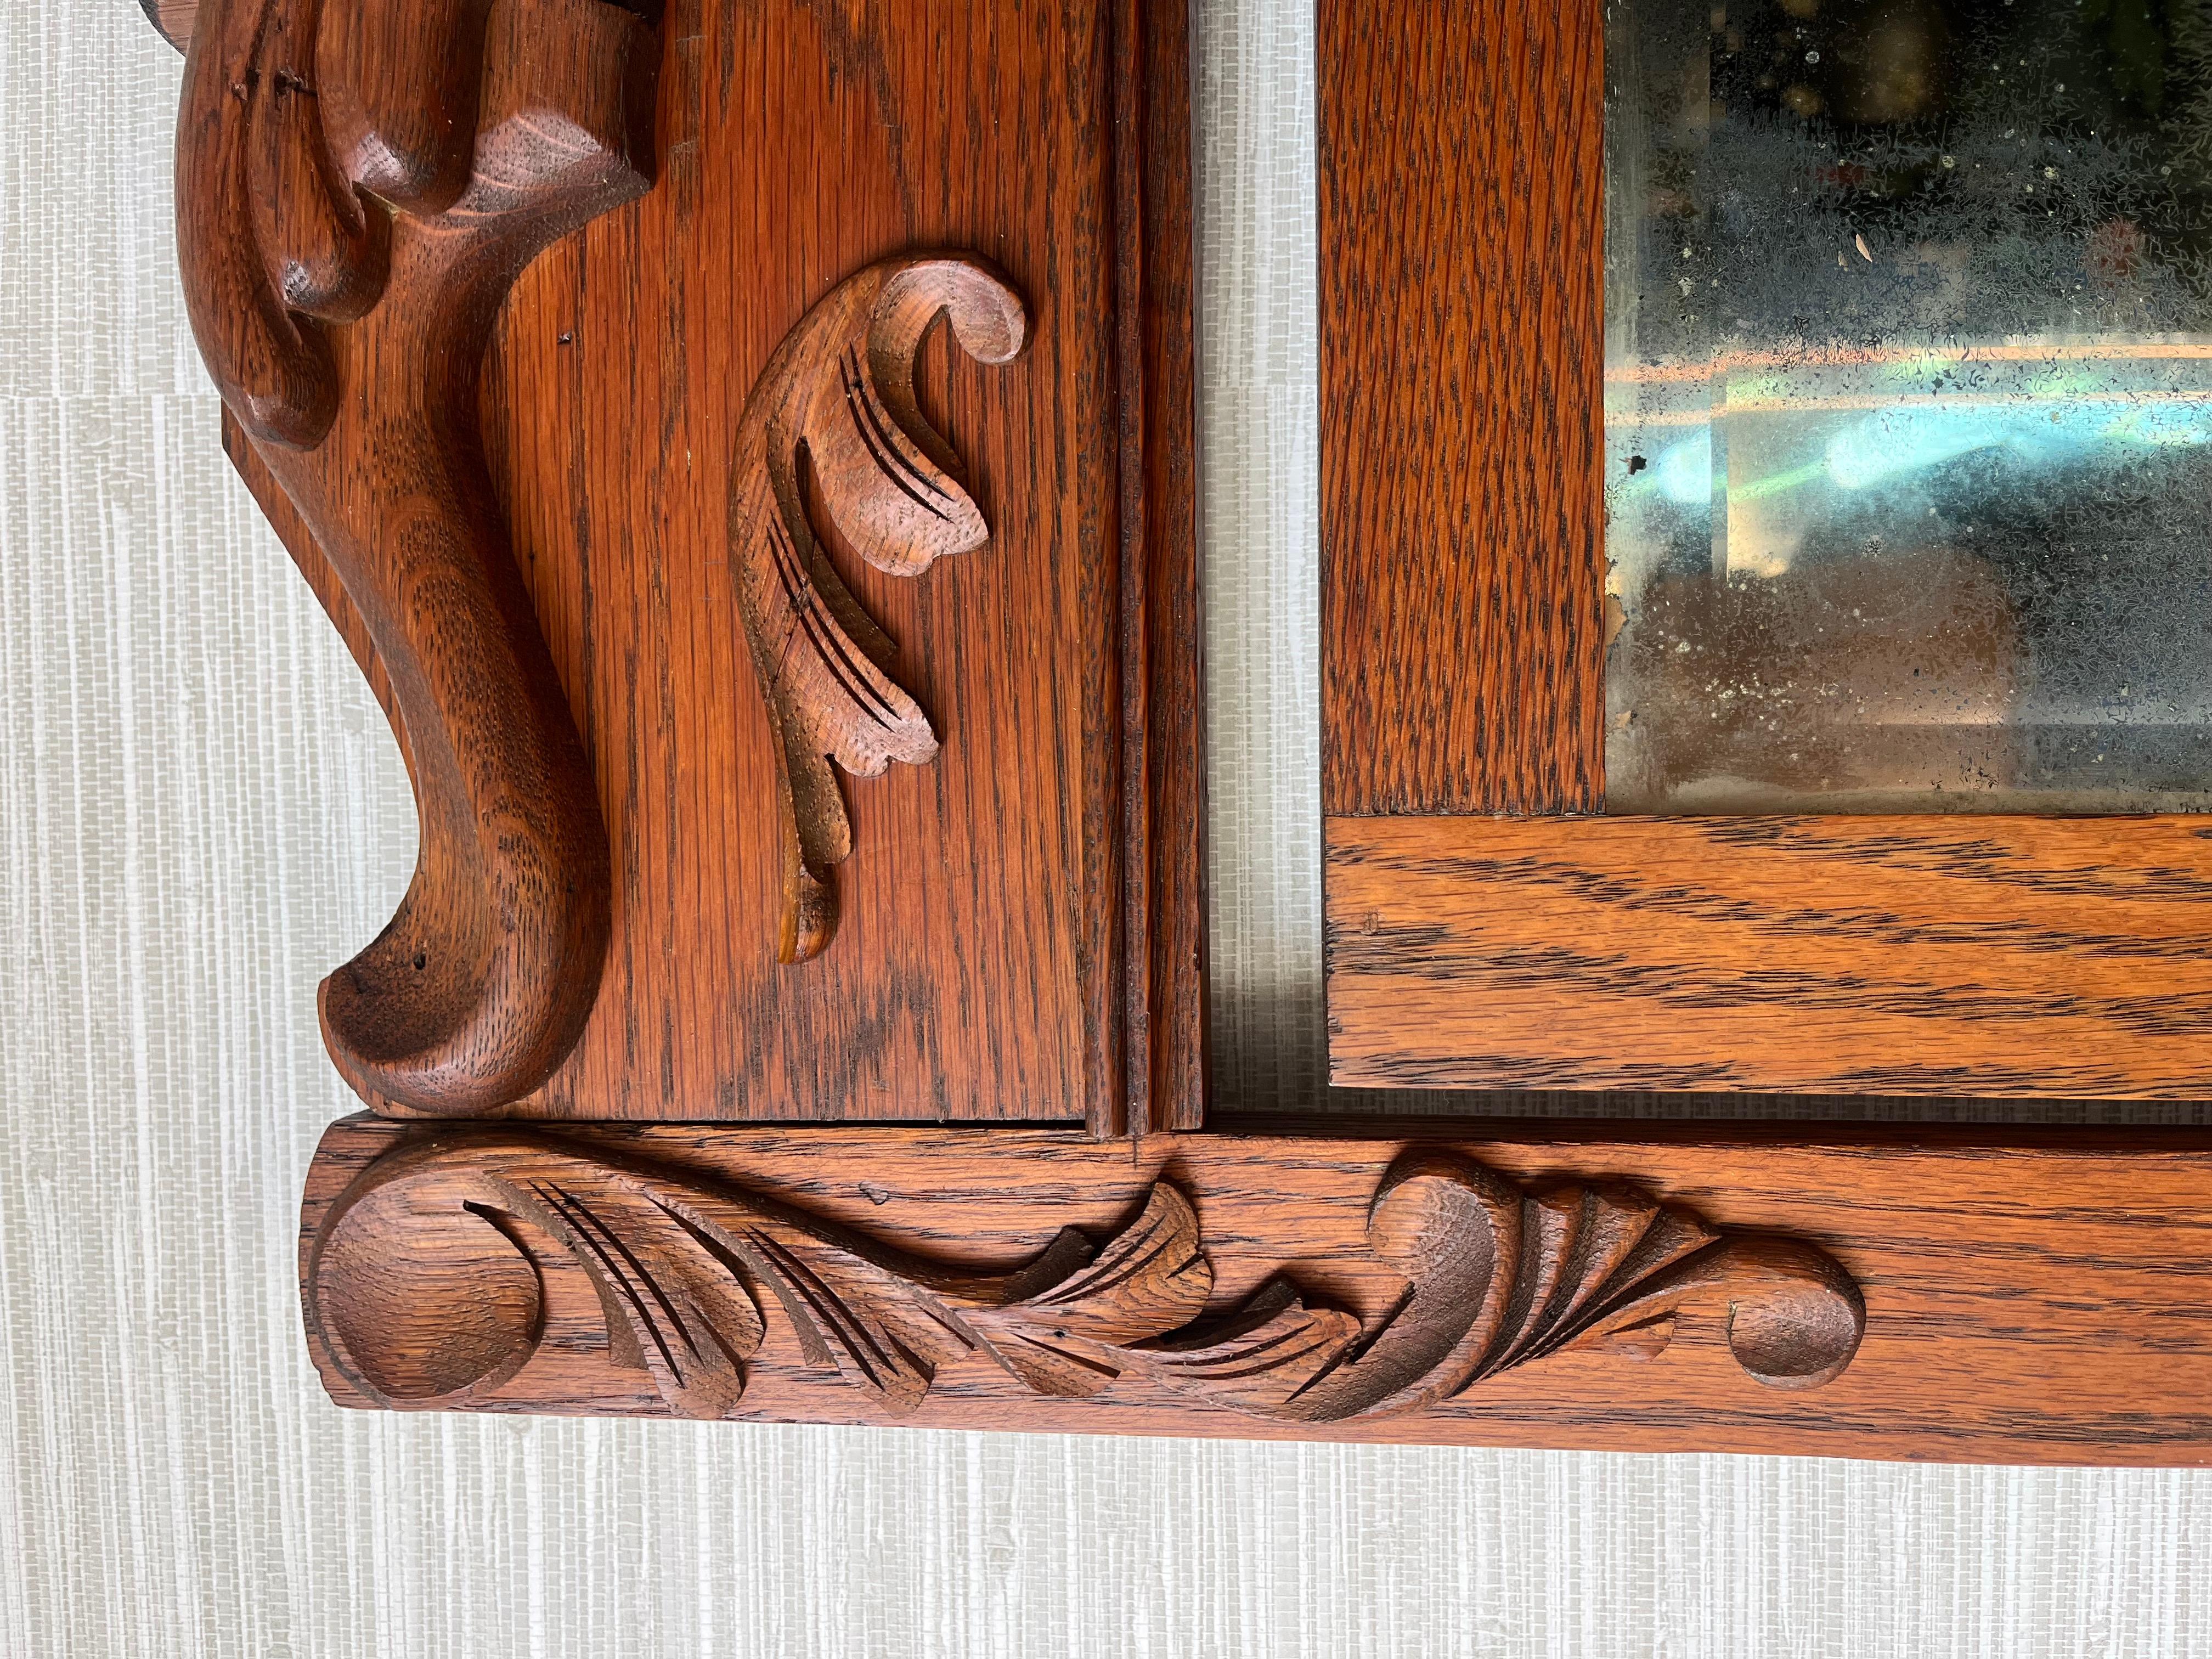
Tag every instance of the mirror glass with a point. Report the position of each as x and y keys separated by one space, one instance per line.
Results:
x=1909 y=406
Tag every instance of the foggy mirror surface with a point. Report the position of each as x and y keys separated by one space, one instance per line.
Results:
x=1909 y=406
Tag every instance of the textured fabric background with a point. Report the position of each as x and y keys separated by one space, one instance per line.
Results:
x=202 y=813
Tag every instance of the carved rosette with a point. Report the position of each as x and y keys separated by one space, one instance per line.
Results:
x=427 y=1293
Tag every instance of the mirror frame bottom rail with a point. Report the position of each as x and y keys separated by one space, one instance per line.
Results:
x=1946 y=957
x=1898 y=1292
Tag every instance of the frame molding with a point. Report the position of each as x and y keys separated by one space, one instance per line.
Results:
x=1892 y=1293
x=1487 y=928
x=2039 y=1297
x=425 y=1281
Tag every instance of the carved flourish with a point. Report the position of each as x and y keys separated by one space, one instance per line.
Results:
x=833 y=419
x=426 y=1294
x=358 y=186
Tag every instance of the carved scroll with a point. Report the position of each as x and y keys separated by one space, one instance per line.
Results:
x=358 y=186
x=834 y=420
x=173 y=20
x=425 y=1289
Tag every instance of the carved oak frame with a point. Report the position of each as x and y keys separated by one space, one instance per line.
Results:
x=355 y=199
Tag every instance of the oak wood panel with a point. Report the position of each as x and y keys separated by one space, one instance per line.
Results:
x=978 y=971
x=1020 y=970
x=2045 y=1296
x=1951 y=955
x=1461 y=359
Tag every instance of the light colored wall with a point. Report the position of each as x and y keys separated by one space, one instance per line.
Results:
x=200 y=812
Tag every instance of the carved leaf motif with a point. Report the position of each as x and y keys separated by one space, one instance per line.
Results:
x=414 y=1284
x=1499 y=1278
x=833 y=421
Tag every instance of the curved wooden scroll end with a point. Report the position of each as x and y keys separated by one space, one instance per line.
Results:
x=253 y=192
x=173 y=20
x=481 y=983
x=1499 y=1277
x=425 y=1294
x=398 y=87
x=833 y=425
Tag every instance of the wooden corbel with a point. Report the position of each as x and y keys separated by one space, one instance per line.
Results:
x=393 y=167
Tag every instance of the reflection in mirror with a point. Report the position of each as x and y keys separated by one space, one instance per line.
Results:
x=1909 y=406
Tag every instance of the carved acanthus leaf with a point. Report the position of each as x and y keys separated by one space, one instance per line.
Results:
x=425 y=1296
x=833 y=420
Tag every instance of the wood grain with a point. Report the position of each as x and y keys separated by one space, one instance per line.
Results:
x=2042 y=1298
x=397 y=87
x=423 y=1286
x=1028 y=946
x=832 y=427
x=1164 y=857
x=1461 y=358
x=1950 y=956
x=346 y=343
x=979 y=971
x=173 y=20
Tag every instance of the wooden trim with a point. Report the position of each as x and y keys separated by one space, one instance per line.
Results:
x=1464 y=644
x=1163 y=860
x=1909 y=1293
x=1945 y=956
x=837 y=408
x=1461 y=355
x=2038 y=1298
x=481 y=982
